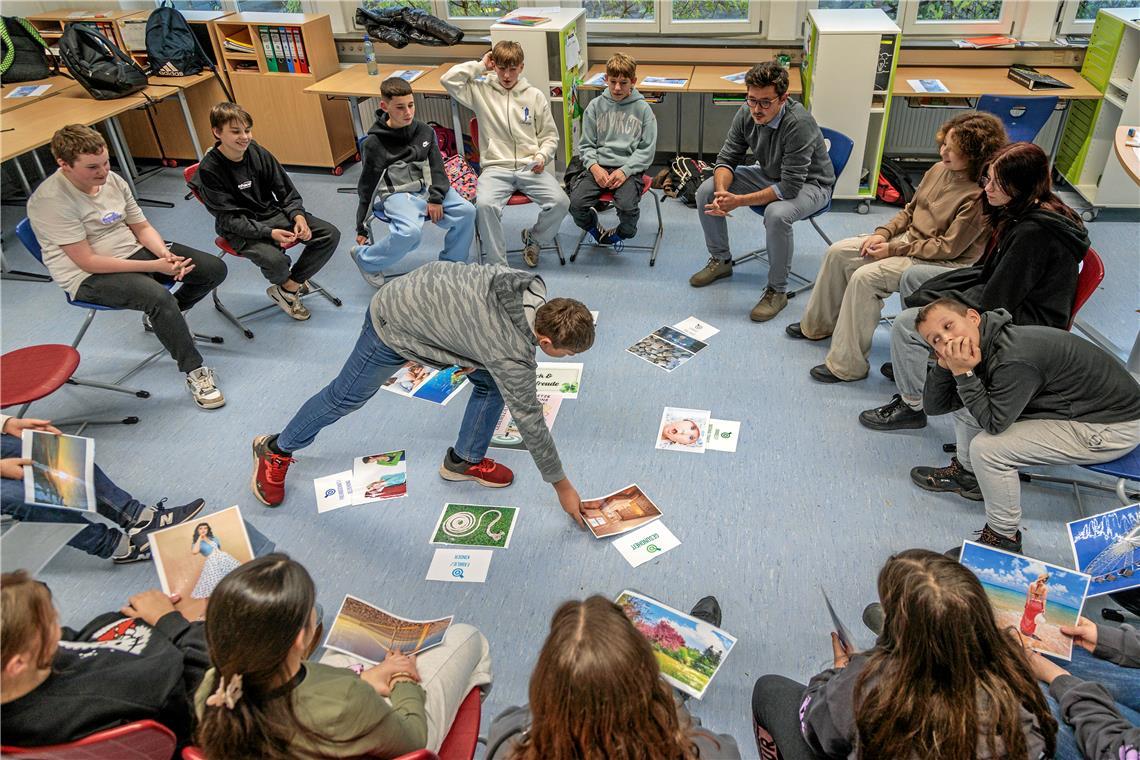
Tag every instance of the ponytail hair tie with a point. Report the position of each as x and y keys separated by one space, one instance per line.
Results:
x=227 y=694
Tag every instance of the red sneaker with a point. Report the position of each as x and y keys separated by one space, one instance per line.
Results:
x=487 y=473
x=269 y=470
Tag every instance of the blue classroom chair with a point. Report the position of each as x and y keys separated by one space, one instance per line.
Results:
x=1023 y=116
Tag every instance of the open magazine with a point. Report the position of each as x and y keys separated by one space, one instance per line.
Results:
x=363 y=634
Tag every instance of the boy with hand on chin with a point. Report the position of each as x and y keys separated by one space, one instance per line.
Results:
x=402 y=169
x=517 y=140
x=258 y=211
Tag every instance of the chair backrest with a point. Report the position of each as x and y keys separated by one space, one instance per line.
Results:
x=28 y=238
x=188 y=174
x=1023 y=116
x=141 y=740
x=839 y=147
x=193 y=753
x=1089 y=278
x=463 y=736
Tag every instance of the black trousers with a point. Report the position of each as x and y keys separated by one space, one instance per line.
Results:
x=776 y=704
x=274 y=262
x=626 y=200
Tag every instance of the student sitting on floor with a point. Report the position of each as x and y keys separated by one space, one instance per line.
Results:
x=136 y=520
x=943 y=224
x=262 y=700
x=619 y=136
x=402 y=170
x=486 y=320
x=100 y=248
x=517 y=140
x=59 y=685
x=941 y=682
x=596 y=693
x=1030 y=271
x=258 y=211
x=1021 y=396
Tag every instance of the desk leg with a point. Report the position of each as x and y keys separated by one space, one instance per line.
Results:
x=189 y=119
x=22 y=177
x=12 y=274
x=39 y=165
x=701 y=127
x=358 y=130
x=1060 y=131
x=457 y=125
x=128 y=164
x=678 y=124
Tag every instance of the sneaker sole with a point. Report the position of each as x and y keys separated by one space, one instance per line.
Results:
x=131 y=560
x=456 y=477
x=287 y=309
x=210 y=404
x=724 y=276
x=253 y=478
x=971 y=495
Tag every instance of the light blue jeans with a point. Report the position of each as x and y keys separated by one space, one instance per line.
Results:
x=408 y=213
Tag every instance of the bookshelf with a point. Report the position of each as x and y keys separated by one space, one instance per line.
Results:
x=52 y=23
x=269 y=81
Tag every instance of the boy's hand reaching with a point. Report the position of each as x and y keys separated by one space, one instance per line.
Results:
x=435 y=212
x=570 y=500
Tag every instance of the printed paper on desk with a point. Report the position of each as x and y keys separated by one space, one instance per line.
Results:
x=460 y=565
x=598 y=80
x=645 y=543
x=722 y=435
x=737 y=78
x=927 y=85
x=28 y=91
x=333 y=491
x=696 y=328
x=408 y=75
x=649 y=82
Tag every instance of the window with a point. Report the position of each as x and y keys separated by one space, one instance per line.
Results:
x=271 y=6
x=619 y=16
x=889 y=7
x=959 y=10
x=195 y=5
x=956 y=17
x=1078 y=16
x=376 y=5
x=1087 y=9
x=696 y=16
x=475 y=9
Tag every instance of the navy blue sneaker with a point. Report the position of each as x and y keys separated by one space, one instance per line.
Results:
x=164 y=517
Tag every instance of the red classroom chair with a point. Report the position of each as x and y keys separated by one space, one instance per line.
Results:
x=608 y=198
x=141 y=740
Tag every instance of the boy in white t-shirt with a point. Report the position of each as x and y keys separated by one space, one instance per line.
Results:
x=100 y=248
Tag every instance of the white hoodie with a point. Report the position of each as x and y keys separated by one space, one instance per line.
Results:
x=515 y=126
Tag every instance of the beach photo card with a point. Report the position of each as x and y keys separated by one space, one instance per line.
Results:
x=333 y=491
x=1107 y=547
x=368 y=632
x=192 y=558
x=506 y=434
x=619 y=512
x=559 y=378
x=696 y=328
x=1034 y=597
x=683 y=430
x=379 y=476
x=689 y=651
x=678 y=338
x=660 y=353
x=722 y=435
x=475 y=525
x=62 y=473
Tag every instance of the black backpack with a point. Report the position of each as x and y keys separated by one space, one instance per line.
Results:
x=24 y=56
x=98 y=64
x=685 y=176
x=172 y=48
x=894 y=175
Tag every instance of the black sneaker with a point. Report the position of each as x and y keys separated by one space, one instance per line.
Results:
x=138 y=550
x=164 y=517
x=595 y=230
x=888 y=371
x=952 y=479
x=990 y=537
x=708 y=610
x=895 y=415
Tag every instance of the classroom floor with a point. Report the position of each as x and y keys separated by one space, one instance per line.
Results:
x=809 y=499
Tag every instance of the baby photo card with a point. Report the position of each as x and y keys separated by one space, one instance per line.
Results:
x=379 y=476
x=438 y=386
x=1107 y=547
x=683 y=430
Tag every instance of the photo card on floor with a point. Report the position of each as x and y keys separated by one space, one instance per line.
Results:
x=1034 y=597
x=62 y=473
x=379 y=476
x=678 y=338
x=660 y=353
x=414 y=380
x=619 y=512
x=192 y=558
x=506 y=434
x=1107 y=547
x=559 y=378
x=475 y=525
x=368 y=632
x=683 y=430
x=696 y=328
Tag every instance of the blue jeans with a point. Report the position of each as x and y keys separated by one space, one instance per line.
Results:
x=407 y=213
x=1123 y=683
x=110 y=501
x=368 y=366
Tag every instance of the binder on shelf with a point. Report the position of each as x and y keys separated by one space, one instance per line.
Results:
x=302 y=58
x=278 y=49
x=267 y=46
x=290 y=48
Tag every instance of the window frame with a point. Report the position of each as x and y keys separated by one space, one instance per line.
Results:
x=471 y=23
x=1068 y=23
x=754 y=24
x=1006 y=23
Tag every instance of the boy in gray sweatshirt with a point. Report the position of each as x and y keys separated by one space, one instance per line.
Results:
x=486 y=320
x=619 y=137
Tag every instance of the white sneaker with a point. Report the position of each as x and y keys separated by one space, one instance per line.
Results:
x=290 y=303
x=375 y=279
x=531 y=249
x=204 y=388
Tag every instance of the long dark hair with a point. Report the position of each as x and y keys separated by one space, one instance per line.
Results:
x=1022 y=172
x=941 y=649
x=209 y=533
x=255 y=615
x=596 y=692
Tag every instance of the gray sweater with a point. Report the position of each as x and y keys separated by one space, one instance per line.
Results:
x=446 y=313
x=619 y=133
x=792 y=154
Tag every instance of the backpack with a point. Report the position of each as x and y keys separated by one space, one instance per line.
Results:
x=685 y=176
x=104 y=70
x=461 y=176
x=24 y=56
x=172 y=48
x=445 y=138
x=894 y=187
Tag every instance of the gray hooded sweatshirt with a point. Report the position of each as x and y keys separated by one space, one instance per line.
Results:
x=619 y=134
x=446 y=313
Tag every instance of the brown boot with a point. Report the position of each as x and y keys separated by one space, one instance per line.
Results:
x=769 y=306
x=712 y=271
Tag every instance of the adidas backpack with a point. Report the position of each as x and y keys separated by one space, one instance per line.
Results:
x=105 y=71
x=24 y=56
x=686 y=175
x=172 y=48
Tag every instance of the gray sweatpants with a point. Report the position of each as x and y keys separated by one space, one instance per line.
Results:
x=495 y=188
x=910 y=355
x=994 y=459
x=778 y=219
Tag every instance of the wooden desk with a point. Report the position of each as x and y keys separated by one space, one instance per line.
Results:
x=973 y=81
x=1128 y=155
x=666 y=71
x=354 y=83
x=708 y=79
x=431 y=83
x=58 y=85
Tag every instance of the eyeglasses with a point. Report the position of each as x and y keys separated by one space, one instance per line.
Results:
x=986 y=179
x=764 y=103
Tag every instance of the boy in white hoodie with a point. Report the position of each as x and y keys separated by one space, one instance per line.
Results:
x=517 y=141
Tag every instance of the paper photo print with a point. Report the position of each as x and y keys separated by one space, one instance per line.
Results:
x=1032 y=596
x=475 y=525
x=689 y=651
x=619 y=512
x=1107 y=547
x=414 y=380
x=558 y=378
x=62 y=473
x=408 y=379
x=507 y=436
x=660 y=353
x=368 y=632
x=683 y=430
x=379 y=476
x=192 y=558
x=678 y=338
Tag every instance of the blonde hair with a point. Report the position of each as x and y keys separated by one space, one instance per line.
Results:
x=507 y=53
x=621 y=65
x=74 y=140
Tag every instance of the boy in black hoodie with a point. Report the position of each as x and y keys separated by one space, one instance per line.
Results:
x=1021 y=396
x=258 y=211
x=402 y=172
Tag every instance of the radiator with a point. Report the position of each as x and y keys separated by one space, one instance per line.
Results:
x=435 y=108
x=910 y=131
